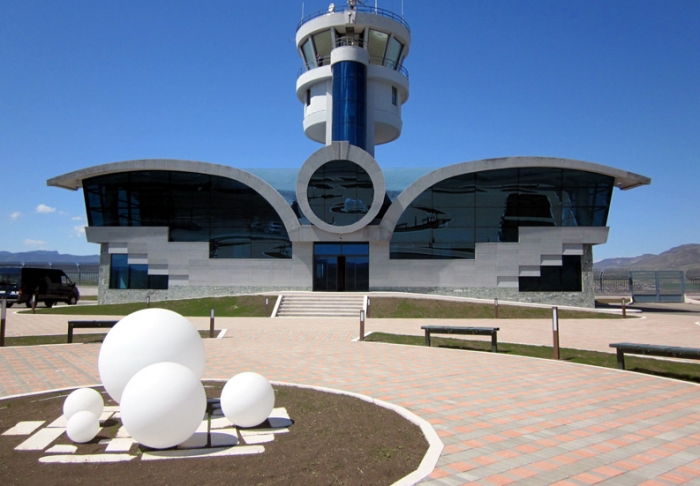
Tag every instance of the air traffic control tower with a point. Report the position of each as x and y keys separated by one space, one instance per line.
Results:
x=353 y=82
x=513 y=228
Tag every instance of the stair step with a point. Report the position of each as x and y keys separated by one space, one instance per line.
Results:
x=321 y=305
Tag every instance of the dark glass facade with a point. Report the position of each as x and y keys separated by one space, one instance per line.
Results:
x=448 y=219
x=564 y=278
x=350 y=103
x=234 y=219
x=341 y=267
x=340 y=193
x=122 y=275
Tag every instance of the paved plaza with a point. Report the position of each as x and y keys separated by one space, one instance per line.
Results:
x=503 y=419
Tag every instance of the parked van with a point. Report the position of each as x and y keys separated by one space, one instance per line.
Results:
x=21 y=284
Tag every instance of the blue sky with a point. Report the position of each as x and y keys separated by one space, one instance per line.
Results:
x=86 y=82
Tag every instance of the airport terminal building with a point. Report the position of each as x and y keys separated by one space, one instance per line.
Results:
x=516 y=228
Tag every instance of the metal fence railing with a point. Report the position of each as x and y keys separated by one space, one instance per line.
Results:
x=625 y=280
x=80 y=273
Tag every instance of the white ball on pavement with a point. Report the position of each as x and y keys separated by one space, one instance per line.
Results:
x=83 y=399
x=82 y=427
x=247 y=399
x=163 y=404
x=146 y=337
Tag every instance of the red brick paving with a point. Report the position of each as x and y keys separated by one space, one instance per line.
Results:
x=504 y=419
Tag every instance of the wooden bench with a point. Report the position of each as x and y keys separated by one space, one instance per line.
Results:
x=482 y=331
x=87 y=325
x=653 y=350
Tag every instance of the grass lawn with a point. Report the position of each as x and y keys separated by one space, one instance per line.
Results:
x=398 y=307
x=658 y=367
x=235 y=306
x=381 y=307
x=62 y=338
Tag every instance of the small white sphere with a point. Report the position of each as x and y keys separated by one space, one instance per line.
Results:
x=83 y=399
x=163 y=404
x=82 y=427
x=247 y=399
x=146 y=337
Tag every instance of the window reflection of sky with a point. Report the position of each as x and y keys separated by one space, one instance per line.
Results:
x=235 y=220
x=340 y=193
x=447 y=220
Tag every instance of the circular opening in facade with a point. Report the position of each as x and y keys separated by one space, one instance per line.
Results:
x=340 y=193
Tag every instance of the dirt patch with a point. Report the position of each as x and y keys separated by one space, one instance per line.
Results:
x=335 y=439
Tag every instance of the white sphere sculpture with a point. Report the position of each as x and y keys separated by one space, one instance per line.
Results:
x=83 y=399
x=146 y=337
x=163 y=404
x=247 y=399
x=82 y=427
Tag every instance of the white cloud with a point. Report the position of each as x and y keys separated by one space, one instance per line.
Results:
x=43 y=208
x=78 y=231
x=34 y=242
x=77 y=218
x=14 y=216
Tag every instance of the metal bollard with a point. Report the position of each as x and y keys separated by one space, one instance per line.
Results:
x=2 y=322
x=555 y=331
x=495 y=306
x=362 y=325
x=211 y=323
x=148 y=301
x=624 y=309
x=267 y=304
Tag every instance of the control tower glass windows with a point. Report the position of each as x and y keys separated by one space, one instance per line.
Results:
x=393 y=54
x=377 y=42
x=350 y=103
x=324 y=45
x=308 y=50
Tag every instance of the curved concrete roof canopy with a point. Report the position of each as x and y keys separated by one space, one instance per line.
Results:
x=74 y=180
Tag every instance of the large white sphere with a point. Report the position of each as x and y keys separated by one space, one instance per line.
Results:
x=83 y=399
x=247 y=399
x=146 y=337
x=163 y=404
x=82 y=427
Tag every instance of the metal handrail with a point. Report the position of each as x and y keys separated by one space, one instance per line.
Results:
x=376 y=61
x=359 y=8
x=349 y=40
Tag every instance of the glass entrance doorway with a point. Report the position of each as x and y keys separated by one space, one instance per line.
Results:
x=341 y=267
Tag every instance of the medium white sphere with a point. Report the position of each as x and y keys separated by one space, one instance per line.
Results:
x=163 y=404
x=146 y=337
x=247 y=399
x=82 y=427
x=83 y=399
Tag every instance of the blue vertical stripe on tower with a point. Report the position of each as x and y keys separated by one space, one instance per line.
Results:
x=350 y=103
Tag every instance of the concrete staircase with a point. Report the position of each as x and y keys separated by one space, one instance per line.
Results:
x=321 y=304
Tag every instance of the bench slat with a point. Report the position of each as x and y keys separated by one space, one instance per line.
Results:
x=483 y=331
x=653 y=350
x=87 y=325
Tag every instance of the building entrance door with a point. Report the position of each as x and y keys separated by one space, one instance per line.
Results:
x=341 y=267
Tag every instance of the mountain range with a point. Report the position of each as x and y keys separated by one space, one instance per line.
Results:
x=46 y=257
x=682 y=257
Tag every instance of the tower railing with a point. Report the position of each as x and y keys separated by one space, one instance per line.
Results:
x=359 y=8
x=376 y=60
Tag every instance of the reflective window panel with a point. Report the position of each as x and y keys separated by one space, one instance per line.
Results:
x=235 y=220
x=340 y=193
